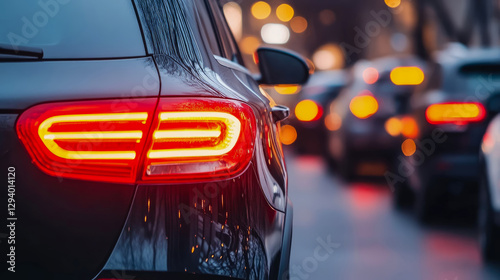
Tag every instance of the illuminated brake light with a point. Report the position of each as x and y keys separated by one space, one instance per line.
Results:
x=189 y=139
x=199 y=139
x=455 y=113
x=50 y=138
x=407 y=76
x=308 y=110
x=364 y=106
x=89 y=140
x=229 y=129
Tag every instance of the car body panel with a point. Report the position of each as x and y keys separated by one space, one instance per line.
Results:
x=491 y=155
x=85 y=227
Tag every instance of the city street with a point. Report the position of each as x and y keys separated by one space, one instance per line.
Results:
x=371 y=240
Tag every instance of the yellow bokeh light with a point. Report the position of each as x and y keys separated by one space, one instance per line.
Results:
x=333 y=122
x=288 y=134
x=249 y=44
x=393 y=3
x=410 y=127
x=287 y=89
x=408 y=147
x=406 y=76
x=261 y=10
x=285 y=12
x=306 y=110
x=298 y=24
x=363 y=106
x=328 y=57
x=393 y=126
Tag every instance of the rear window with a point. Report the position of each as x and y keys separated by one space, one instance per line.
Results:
x=67 y=29
x=477 y=76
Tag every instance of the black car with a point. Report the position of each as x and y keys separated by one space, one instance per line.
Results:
x=489 y=190
x=366 y=119
x=451 y=110
x=134 y=144
x=308 y=116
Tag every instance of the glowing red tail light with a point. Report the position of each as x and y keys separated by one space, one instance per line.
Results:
x=455 y=113
x=191 y=139
x=199 y=138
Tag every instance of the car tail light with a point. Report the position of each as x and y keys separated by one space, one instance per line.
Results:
x=308 y=111
x=407 y=76
x=370 y=75
x=455 y=113
x=409 y=127
x=364 y=105
x=199 y=139
x=110 y=140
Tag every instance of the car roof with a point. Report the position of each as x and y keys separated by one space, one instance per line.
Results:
x=456 y=56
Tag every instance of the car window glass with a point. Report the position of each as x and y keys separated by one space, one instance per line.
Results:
x=72 y=29
x=207 y=28
x=229 y=46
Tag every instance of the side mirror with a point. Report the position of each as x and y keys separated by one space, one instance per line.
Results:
x=281 y=67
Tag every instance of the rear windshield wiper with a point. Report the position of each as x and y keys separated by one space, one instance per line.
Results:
x=21 y=51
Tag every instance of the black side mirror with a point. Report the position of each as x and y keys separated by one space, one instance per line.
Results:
x=281 y=67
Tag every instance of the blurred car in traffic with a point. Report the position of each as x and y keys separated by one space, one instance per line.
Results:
x=489 y=190
x=451 y=116
x=151 y=155
x=364 y=124
x=308 y=114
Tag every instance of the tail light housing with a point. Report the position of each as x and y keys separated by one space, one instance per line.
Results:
x=136 y=140
x=197 y=139
x=459 y=113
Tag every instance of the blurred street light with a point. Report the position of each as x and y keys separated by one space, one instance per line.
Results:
x=285 y=12
x=249 y=44
x=298 y=24
x=275 y=33
x=393 y=3
x=328 y=57
x=261 y=10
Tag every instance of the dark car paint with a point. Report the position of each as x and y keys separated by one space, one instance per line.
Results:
x=68 y=228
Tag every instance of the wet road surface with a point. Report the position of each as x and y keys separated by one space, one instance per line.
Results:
x=351 y=232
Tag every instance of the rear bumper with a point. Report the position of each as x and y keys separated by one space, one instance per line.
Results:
x=220 y=229
x=453 y=166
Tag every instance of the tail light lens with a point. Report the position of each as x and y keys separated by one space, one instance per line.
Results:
x=455 y=113
x=195 y=139
x=364 y=105
x=111 y=140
